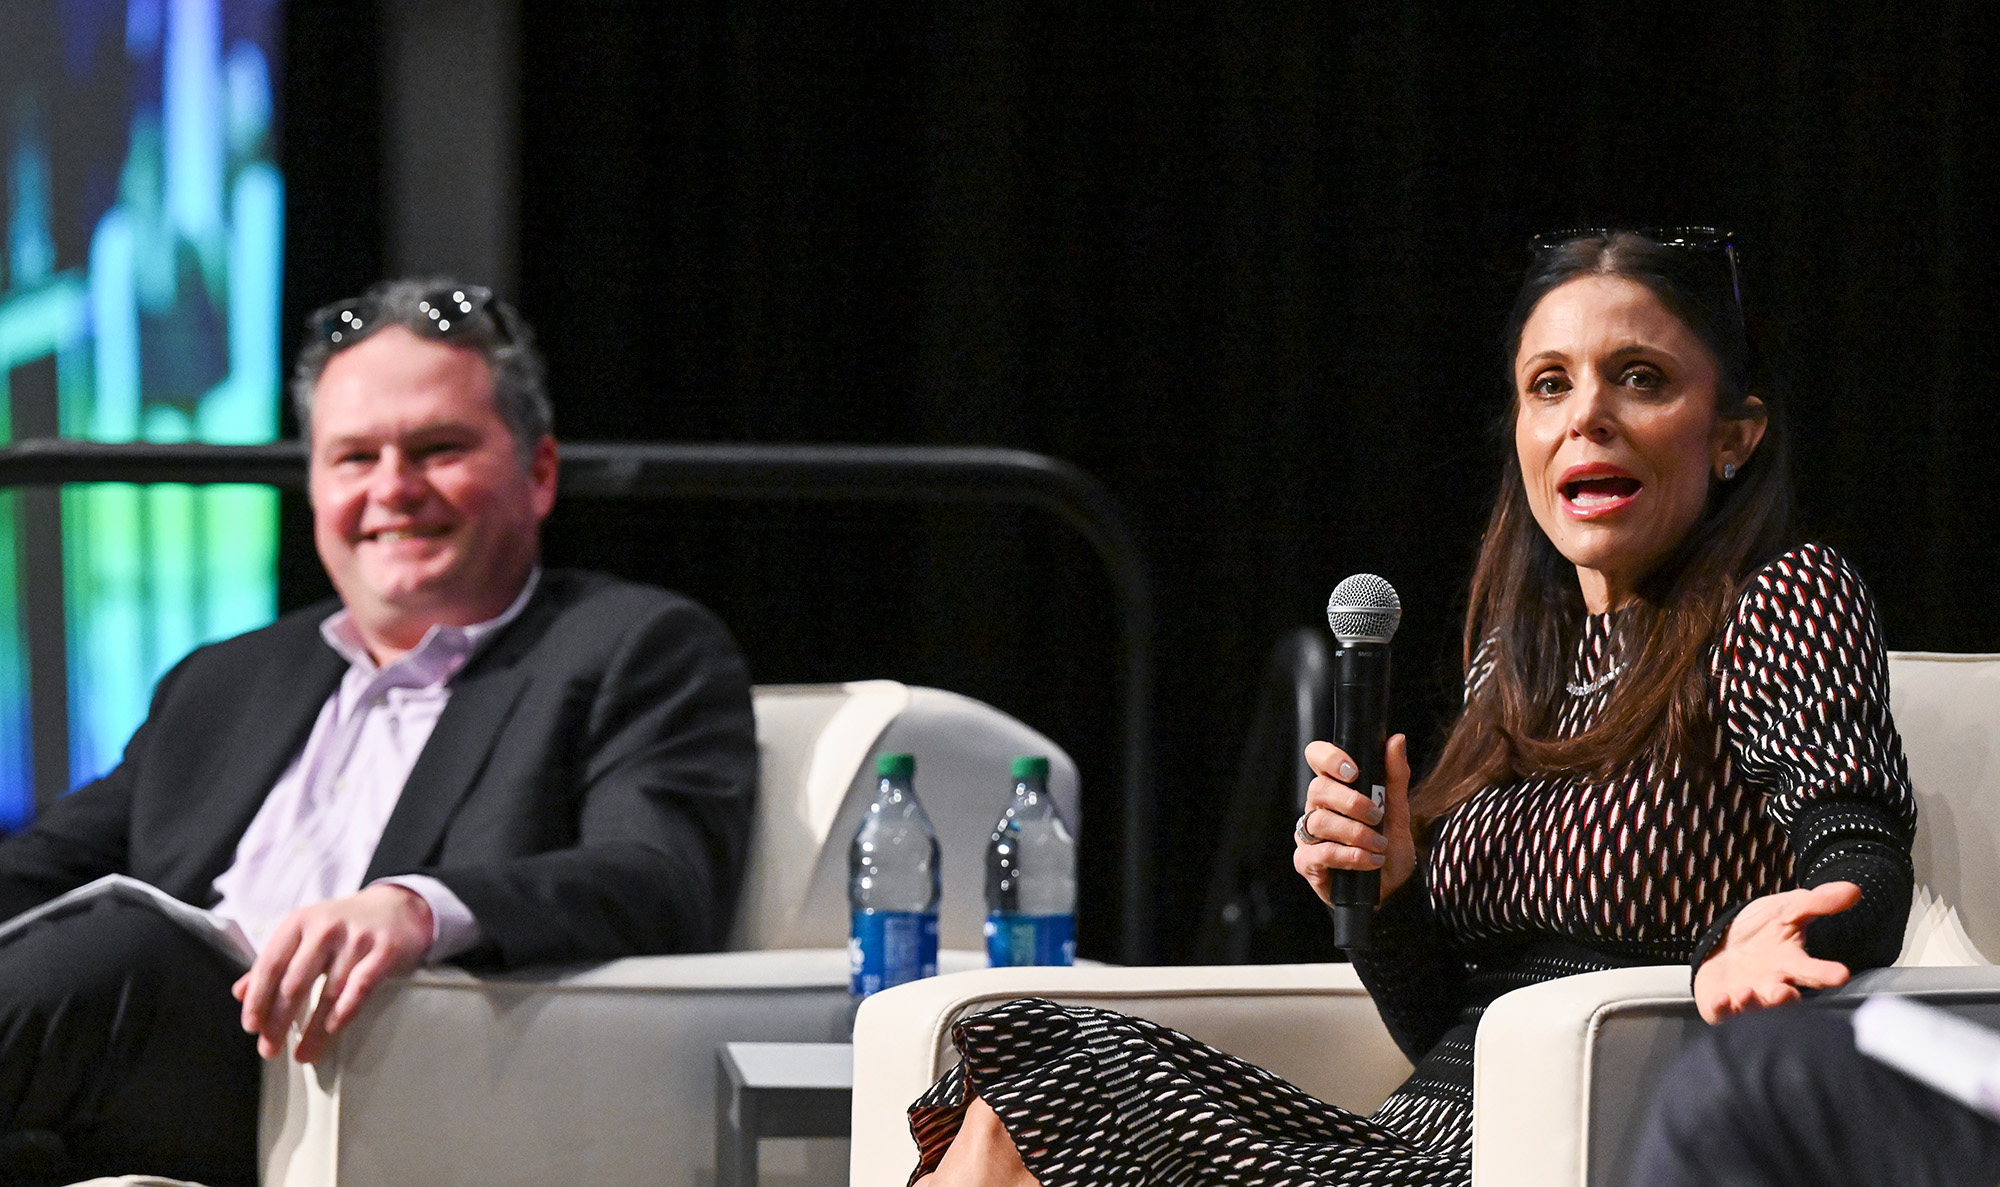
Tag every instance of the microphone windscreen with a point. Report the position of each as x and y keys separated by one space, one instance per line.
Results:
x=1364 y=609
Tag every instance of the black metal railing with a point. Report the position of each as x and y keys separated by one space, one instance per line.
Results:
x=816 y=473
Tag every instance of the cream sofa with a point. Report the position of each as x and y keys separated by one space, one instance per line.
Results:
x=606 y=1074
x=1562 y=1069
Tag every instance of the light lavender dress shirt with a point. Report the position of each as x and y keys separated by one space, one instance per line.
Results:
x=317 y=831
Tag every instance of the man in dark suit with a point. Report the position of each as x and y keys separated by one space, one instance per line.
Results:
x=467 y=759
x=1786 y=1098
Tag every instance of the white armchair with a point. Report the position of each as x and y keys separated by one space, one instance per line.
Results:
x=605 y=1075
x=1562 y=1069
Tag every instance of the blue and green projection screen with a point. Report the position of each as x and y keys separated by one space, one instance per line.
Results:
x=139 y=301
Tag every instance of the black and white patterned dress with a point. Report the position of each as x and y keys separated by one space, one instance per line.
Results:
x=1521 y=883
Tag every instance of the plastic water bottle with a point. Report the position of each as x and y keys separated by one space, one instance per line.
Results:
x=892 y=886
x=1031 y=876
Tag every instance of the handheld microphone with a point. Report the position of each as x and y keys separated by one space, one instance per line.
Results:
x=1364 y=612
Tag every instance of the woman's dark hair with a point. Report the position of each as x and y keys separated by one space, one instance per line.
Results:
x=1526 y=604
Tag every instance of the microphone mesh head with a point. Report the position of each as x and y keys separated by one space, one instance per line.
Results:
x=1364 y=609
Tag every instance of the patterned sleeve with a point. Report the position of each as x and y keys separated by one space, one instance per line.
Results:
x=1804 y=695
x=1417 y=982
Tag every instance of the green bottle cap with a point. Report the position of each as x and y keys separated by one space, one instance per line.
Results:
x=895 y=766
x=1031 y=766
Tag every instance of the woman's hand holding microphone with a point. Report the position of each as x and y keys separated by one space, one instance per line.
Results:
x=1339 y=830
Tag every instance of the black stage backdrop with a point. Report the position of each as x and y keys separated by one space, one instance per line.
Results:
x=1244 y=263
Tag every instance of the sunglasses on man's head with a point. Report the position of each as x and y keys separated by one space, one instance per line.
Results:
x=447 y=312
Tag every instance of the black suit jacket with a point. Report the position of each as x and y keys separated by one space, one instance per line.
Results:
x=587 y=791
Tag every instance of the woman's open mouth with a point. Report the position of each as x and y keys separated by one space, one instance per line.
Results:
x=1593 y=490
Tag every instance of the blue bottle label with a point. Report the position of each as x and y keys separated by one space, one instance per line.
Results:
x=1030 y=939
x=888 y=948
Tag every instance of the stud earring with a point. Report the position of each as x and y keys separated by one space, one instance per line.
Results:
x=1728 y=471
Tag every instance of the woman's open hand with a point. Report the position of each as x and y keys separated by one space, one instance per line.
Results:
x=1762 y=960
x=1343 y=822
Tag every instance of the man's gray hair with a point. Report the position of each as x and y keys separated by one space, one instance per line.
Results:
x=499 y=334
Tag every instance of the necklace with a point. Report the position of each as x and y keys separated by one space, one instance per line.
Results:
x=1590 y=686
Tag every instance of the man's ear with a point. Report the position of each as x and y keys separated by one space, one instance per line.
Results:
x=543 y=465
x=1738 y=435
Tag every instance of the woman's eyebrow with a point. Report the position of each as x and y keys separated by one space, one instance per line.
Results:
x=1632 y=350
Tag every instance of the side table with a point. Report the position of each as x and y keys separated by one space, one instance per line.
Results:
x=777 y=1090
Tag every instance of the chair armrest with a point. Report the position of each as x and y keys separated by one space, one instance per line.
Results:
x=600 y=1075
x=1558 y=1062
x=1313 y=1024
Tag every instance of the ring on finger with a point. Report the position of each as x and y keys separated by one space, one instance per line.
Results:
x=1299 y=830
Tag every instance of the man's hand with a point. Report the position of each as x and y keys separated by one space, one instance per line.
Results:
x=1762 y=961
x=357 y=942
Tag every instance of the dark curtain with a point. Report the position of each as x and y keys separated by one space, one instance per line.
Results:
x=1247 y=264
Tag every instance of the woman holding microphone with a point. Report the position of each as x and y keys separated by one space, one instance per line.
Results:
x=1676 y=746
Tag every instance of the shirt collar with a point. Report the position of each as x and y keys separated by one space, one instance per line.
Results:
x=442 y=651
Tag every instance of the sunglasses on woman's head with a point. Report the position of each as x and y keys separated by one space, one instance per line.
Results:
x=1689 y=238
x=447 y=312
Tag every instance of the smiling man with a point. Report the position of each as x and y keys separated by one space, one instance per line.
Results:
x=468 y=759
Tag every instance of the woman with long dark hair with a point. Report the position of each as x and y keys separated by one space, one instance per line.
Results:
x=1675 y=746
